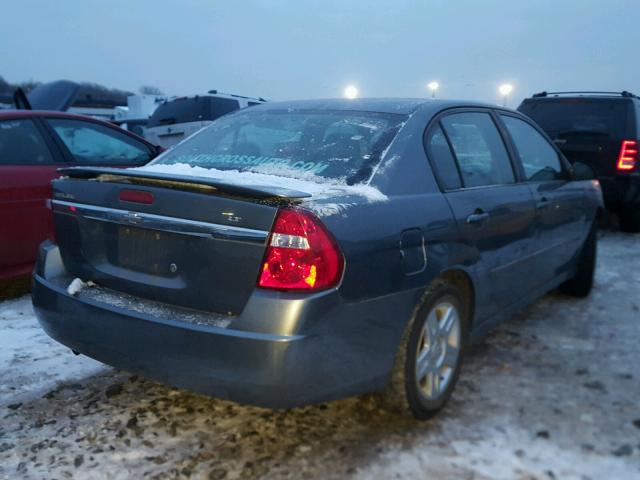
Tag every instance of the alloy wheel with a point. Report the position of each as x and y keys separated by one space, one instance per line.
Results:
x=438 y=350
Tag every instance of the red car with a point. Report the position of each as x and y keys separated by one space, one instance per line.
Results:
x=33 y=145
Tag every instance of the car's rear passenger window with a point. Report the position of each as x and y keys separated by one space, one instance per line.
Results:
x=540 y=160
x=93 y=144
x=442 y=160
x=479 y=149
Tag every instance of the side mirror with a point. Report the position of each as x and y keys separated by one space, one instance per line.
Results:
x=582 y=171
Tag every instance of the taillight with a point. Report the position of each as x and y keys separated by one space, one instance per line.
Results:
x=301 y=254
x=628 y=155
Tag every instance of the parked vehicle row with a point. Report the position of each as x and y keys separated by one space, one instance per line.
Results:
x=299 y=252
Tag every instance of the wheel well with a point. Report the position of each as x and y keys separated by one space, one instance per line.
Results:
x=462 y=282
x=602 y=218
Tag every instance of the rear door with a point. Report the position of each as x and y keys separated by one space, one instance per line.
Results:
x=28 y=163
x=560 y=215
x=494 y=213
x=87 y=143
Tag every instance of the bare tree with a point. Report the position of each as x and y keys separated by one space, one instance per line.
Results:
x=150 y=90
x=29 y=85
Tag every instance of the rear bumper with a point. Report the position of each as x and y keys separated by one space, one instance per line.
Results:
x=621 y=192
x=320 y=352
x=16 y=272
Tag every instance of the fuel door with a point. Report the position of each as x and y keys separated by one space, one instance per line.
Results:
x=413 y=251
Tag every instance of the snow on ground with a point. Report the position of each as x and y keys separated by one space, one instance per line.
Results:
x=31 y=363
x=551 y=394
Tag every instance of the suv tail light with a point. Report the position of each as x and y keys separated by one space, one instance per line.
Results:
x=301 y=254
x=628 y=155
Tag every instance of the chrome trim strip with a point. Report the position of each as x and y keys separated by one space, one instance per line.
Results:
x=163 y=223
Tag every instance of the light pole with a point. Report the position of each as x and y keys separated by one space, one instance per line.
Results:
x=505 y=90
x=351 y=92
x=433 y=87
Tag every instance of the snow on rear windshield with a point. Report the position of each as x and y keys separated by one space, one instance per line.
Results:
x=336 y=145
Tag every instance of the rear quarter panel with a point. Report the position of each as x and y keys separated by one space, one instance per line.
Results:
x=379 y=238
x=25 y=220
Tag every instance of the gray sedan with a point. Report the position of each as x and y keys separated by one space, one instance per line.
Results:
x=299 y=252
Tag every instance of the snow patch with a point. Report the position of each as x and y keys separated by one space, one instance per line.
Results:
x=152 y=308
x=330 y=209
x=318 y=187
x=77 y=285
x=32 y=363
x=387 y=164
x=489 y=451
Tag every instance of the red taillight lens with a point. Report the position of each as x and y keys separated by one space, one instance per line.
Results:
x=628 y=155
x=301 y=254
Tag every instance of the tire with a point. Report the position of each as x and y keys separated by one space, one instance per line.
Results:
x=408 y=395
x=582 y=282
x=630 y=220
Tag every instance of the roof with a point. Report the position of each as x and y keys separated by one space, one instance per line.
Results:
x=402 y=106
x=13 y=113
x=584 y=94
x=213 y=94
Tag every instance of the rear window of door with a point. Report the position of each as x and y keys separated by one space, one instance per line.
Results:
x=22 y=144
x=479 y=150
x=93 y=144
x=539 y=159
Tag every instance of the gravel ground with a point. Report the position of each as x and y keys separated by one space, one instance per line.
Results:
x=551 y=394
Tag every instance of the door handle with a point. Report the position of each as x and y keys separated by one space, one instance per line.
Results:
x=477 y=217
x=543 y=203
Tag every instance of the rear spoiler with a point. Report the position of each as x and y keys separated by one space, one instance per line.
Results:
x=182 y=181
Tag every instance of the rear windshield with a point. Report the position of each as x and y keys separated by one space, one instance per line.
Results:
x=340 y=145
x=576 y=116
x=195 y=109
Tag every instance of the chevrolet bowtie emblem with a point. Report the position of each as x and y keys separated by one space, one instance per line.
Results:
x=133 y=217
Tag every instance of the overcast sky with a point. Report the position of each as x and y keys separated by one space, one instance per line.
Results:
x=282 y=49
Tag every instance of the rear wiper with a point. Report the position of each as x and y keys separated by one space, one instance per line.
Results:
x=573 y=133
x=167 y=121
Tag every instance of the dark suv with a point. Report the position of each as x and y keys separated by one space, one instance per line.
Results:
x=600 y=129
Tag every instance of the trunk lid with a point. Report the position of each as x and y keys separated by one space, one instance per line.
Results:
x=57 y=96
x=196 y=243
